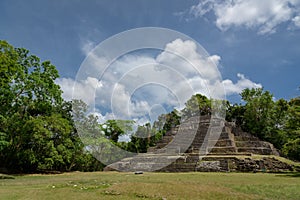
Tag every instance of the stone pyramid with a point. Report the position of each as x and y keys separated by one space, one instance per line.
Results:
x=231 y=141
x=202 y=143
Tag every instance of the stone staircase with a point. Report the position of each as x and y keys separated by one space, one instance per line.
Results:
x=195 y=135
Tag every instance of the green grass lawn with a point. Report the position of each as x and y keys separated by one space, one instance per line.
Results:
x=114 y=185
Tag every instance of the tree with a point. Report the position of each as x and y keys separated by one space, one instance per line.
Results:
x=277 y=122
x=293 y=121
x=37 y=131
x=139 y=140
x=291 y=148
x=113 y=129
x=171 y=120
x=197 y=105
x=235 y=113
x=95 y=143
x=258 y=111
x=28 y=94
x=145 y=137
x=46 y=143
x=278 y=135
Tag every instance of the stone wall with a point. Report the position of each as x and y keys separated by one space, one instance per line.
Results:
x=234 y=164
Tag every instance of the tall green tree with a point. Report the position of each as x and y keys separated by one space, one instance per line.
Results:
x=258 y=111
x=278 y=135
x=291 y=148
x=235 y=113
x=28 y=93
x=36 y=126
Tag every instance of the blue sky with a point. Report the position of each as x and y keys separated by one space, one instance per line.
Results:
x=257 y=42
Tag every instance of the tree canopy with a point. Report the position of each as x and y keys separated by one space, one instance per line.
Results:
x=36 y=128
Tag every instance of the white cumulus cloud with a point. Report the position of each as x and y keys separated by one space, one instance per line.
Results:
x=85 y=89
x=144 y=85
x=296 y=21
x=262 y=15
x=242 y=83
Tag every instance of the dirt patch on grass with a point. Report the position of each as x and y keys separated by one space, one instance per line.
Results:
x=4 y=176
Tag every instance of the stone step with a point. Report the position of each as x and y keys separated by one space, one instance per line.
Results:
x=250 y=143
x=176 y=167
x=245 y=138
x=223 y=142
x=151 y=149
x=228 y=149
x=224 y=135
x=161 y=145
x=257 y=150
x=166 y=139
x=228 y=155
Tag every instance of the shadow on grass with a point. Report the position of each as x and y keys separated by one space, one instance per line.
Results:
x=290 y=174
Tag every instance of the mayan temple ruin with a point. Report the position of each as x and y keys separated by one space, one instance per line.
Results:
x=195 y=146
